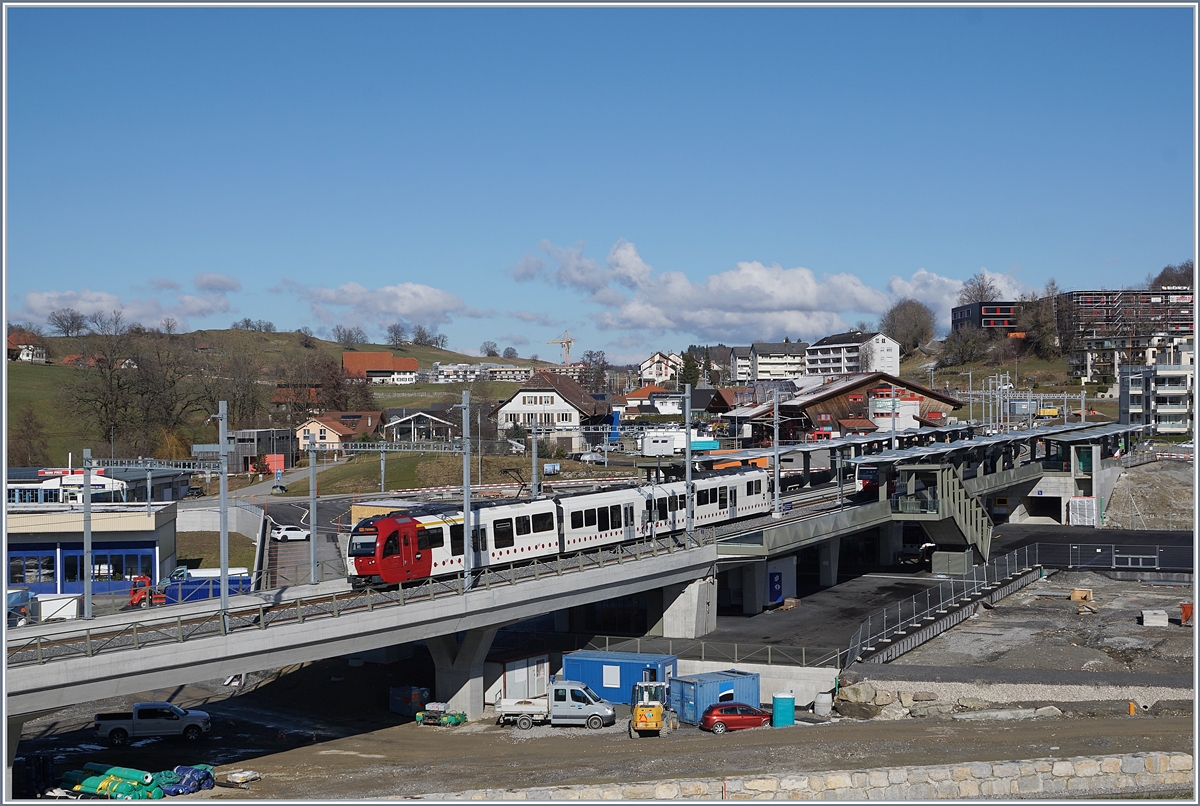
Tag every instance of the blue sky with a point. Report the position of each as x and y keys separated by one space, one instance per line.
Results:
x=647 y=178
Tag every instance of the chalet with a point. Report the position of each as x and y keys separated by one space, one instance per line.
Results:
x=837 y=405
x=555 y=405
x=660 y=367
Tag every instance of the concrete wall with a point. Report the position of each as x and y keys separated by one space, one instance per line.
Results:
x=804 y=681
x=1132 y=774
x=244 y=521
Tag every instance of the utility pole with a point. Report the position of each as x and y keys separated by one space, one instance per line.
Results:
x=534 y=492
x=87 y=533
x=223 y=447
x=466 y=468
x=777 y=512
x=312 y=509
x=687 y=458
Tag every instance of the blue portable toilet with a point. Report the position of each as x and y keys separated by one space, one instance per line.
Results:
x=612 y=674
x=689 y=696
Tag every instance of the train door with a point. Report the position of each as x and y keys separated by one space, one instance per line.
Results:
x=629 y=522
x=400 y=557
x=733 y=509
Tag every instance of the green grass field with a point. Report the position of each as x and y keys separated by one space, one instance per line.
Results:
x=40 y=386
x=203 y=550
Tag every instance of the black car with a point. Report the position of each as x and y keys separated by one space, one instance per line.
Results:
x=194 y=492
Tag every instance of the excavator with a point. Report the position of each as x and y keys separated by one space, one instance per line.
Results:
x=651 y=714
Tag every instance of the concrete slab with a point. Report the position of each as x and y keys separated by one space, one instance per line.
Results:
x=1155 y=618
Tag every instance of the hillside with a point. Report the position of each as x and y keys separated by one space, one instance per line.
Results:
x=42 y=387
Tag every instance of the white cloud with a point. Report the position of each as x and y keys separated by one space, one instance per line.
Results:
x=527 y=268
x=751 y=302
x=163 y=284
x=209 y=281
x=39 y=304
x=535 y=318
x=414 y=303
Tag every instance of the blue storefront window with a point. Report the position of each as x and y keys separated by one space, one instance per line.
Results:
x=112 y=567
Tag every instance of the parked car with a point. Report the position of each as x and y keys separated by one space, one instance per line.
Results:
x=151 y=719
x=725 y=716
x=279 y=489
x=289 y=533
x=194 y=492
x=21 y=604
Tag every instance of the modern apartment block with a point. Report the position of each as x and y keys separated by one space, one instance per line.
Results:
x=1101 y=358
x=844 y=353
x=1125 y=314
x=985 y=316
x=1161 y=394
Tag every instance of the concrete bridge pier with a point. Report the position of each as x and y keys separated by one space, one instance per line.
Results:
x=754 y=588
x=891 y=542
x=15 y=724
x=459 y=669
x=828 y=551
x=689 y=608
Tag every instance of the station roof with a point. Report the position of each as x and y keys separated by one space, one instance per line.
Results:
x=1079 y=432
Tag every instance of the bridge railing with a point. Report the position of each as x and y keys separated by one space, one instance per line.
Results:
x=160 y=625
x=723 y=651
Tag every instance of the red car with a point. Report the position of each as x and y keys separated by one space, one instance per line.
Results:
x=733 y=716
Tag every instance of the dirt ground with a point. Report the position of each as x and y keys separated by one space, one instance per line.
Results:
x=324 y=731
x=1161 y=495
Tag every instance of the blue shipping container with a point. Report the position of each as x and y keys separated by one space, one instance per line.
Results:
x=208 y=588
x=612 y=674
x=689 y=696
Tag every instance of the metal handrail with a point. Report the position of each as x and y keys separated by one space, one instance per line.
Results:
x=696 y=649
x=908 y=614
x=23 y=648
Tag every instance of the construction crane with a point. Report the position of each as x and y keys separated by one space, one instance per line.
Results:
x=566 y=341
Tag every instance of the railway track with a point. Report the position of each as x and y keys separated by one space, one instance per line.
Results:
x=148 y=630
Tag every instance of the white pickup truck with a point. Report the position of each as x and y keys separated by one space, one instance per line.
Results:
x=565 y=703
x=152 y=719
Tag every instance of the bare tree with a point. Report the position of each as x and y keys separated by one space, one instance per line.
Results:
x=349 y=336
x=234 y=378
x=396 y=335
x=979 y=288
x=1180 y=275
x=67 y=322
x=489 y=348
x=307 y=341
x=27 y=440
x=1037 y=321
x=909 y=322
x=169 y=325
x=597 y=367
x=422 y=337
x=510 y=353
x=964 y=346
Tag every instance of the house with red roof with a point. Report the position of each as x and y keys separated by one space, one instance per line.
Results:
x=24 y=346
x=380 y=367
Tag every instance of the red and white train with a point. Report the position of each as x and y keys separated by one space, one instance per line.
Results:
x=427 y=541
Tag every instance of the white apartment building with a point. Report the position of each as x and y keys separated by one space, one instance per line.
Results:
x=1161 y=394
x=844 y=353
x=741 y=365
x=776 y=361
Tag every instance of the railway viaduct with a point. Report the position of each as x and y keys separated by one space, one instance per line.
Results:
x=54 y=665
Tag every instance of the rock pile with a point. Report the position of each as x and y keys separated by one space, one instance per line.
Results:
x=862 y=700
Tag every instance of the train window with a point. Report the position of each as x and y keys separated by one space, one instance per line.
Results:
x=543 y=521
x=662 y=508
x=391 y=545
x=723 y=498
x=479 y=539
x=502 y=531
x=589 y=517
x=749 y=488
x=456 y=539
x=523 y=525
x=614 y=515
x=602 y=519
x=362 y=544
x=431 y=538
x=701 y=498
x=673 y=503
x=577 y=519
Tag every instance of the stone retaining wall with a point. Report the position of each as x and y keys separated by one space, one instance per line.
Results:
x=1081 y=777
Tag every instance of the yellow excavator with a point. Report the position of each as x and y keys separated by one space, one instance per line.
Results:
x=651 y=714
